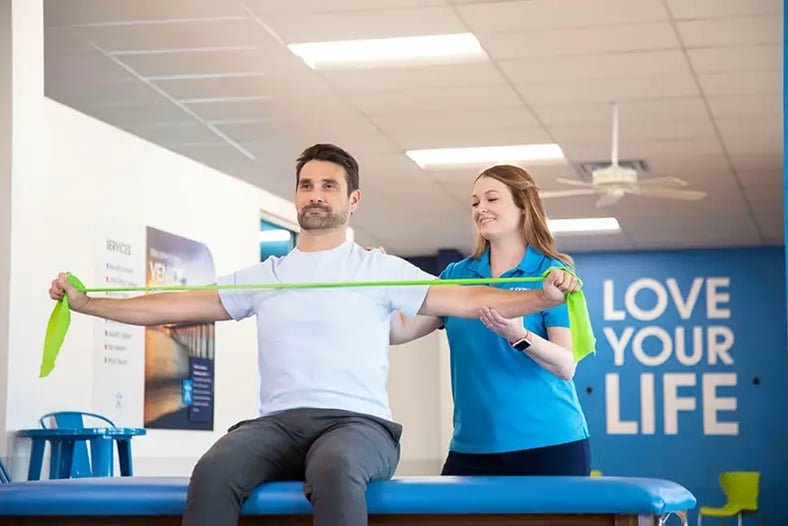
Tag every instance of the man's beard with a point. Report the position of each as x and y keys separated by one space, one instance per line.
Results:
x=325 y=221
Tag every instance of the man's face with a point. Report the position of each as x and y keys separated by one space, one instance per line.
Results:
x=321 y=196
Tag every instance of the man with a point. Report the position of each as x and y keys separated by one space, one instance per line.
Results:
x=325 y=416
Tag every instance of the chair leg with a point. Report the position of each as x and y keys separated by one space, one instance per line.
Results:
x=124 y=458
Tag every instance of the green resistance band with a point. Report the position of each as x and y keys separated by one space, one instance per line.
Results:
x=583 y=339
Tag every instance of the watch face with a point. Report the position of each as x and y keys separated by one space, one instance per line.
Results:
x=522 y=345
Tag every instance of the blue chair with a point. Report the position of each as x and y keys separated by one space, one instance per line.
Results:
x=68 y=440
x=4 y=476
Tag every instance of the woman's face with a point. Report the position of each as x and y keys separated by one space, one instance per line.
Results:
x=493 y=209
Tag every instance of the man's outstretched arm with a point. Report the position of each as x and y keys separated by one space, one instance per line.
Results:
x=467 y=301
x=197 y=306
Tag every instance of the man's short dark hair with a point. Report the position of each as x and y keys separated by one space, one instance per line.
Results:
x=333 y=154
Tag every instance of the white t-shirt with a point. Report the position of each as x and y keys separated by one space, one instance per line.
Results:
x=325 y=347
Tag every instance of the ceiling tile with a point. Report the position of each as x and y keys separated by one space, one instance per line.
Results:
x=717 y=59
x=736 y=126
x=178 y=35
x=762 y=178
x=674 y=213
x=681 y=9
x=747 y=162
x=731 y=31
x=765 y=104
x=580 y=41
x=614 y=65
x=697 y=170
x=96 y=94
x=630 y=112
x=765 y=196
x=737 y=144
x=291 y=86
x=101 y=11
x=95 y=66
x=529 y=14
x=370 y=80
x=738 y=83
x=674 y=129
x=458 y=119
x=173 y=133
x=641 y=150
x=235 y=110
x=469 y=137
x=476 y=98
x=351 y=25
x=606 y=90
x=306 y=7
x=60 y=41
x=232 y=61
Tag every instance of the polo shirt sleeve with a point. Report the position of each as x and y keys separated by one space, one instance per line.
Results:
x=556 y=317
x=240 y=303
x=407 y=299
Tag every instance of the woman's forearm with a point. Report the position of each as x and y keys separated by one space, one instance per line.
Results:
x=555 y=358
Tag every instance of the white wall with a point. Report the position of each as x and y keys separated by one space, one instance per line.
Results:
x=413 y=390
x=5 y=197
x=71 y=174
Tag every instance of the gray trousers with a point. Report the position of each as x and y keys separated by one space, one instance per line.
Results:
x=335 y=453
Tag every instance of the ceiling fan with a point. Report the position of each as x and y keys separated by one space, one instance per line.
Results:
x=615 y=181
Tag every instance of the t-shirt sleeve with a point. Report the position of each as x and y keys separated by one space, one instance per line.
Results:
x=406 y=299
x=240 y=303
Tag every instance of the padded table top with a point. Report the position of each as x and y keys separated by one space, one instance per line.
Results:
x=463 y=495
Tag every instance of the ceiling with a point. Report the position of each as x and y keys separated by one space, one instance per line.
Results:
x=698 y=83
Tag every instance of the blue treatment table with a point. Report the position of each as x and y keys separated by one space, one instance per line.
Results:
x=411 y=501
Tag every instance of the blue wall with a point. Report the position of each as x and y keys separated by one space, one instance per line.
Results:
x=691 y=359
x=688 y=377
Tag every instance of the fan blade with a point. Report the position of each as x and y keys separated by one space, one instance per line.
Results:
x=674 y=181
x=671 y=193
x=573 y=182
x=609 y=199
x=566 y=193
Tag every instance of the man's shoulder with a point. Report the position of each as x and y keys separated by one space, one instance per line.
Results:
x=256 y=270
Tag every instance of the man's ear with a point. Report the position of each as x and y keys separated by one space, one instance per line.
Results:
x=355 y=198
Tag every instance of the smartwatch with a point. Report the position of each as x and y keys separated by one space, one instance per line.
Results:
x=521 y=344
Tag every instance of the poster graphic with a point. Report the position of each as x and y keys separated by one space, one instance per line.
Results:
x=118 y=357
x=179 y=358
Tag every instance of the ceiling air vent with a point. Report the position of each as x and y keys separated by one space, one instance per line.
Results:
x=585 y=169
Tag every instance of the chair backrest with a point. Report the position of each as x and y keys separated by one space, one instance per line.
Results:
x=741 y=488
x=72 y=419
x=80 y=462
x=4 y=476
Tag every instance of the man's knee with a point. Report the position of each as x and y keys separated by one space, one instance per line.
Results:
x=214 y=476
x=338 y=473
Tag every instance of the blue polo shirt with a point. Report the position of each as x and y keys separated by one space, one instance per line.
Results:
x=503 y=400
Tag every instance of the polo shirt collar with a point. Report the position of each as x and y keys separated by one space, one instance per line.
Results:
x=530 y=264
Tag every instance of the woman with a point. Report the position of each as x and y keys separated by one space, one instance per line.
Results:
x=516 y=410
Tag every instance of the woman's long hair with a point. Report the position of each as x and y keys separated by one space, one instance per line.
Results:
x=526 y=196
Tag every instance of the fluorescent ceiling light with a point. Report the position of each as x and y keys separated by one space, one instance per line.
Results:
x=276 y=235
x=389 y=51
x=583 y=225
x=446 y=157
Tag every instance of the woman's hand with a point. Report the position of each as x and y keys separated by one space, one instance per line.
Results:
x=511 y=329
